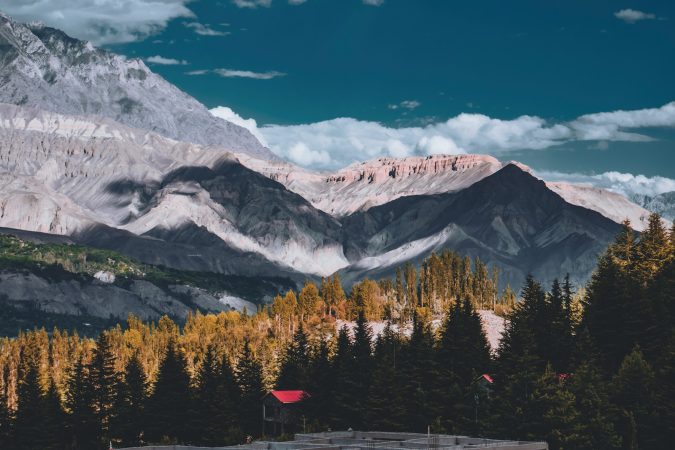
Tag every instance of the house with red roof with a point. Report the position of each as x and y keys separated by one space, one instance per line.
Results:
x=281 y=412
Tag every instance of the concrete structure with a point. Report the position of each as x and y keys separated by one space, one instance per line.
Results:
x=371 y=440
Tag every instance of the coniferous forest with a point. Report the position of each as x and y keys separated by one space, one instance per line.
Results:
x=594 y=375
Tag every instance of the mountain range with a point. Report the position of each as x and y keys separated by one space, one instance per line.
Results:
x=98 y=148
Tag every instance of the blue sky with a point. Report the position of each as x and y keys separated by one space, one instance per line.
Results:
x=412 y=65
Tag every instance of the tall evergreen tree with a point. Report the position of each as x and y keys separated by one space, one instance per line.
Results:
x=104 y=381
x=28 y=429
x=559 y=339
x=216 y=402
x=463 y=355
x=590 y=390
x=634 y=394
x=463 y=349
x=127 y=423
x=250 y=378
x=53 y=420
x=6 y=416
x=342 y=366
x=169 y=404
x=420 y=377
x=385 y=408
x=320 y=383
x=519 y=364
x=82 y=424
x=293 y=374
x=551 y=414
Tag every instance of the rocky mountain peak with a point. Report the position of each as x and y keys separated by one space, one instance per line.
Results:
x=45 y=68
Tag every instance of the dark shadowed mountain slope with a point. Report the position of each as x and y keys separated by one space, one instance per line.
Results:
x=509 y=219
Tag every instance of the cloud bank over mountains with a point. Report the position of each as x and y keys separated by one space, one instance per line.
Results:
x=101 y=21
x=622 y=183
x=339 y=142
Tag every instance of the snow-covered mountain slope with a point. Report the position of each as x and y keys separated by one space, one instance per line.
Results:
x=44 y=68
x=663 y=204
x=609 y=204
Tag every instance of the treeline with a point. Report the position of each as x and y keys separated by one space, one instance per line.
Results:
x=441 y=280
x=606 y=381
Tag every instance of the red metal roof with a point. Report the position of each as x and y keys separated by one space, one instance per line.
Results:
x=289 y=396
x=488 y=378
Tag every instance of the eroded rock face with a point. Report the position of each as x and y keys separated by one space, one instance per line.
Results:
x=372 y=183
x=45 y=68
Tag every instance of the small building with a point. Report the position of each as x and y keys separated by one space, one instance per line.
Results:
x=281 y=412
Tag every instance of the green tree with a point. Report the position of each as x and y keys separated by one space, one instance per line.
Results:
x=250 y=379
x=552 y=415
x=131 y=397
x=82 y=424
x=293 y=373
x=169 y=404
x=590 y=390
x=634 y=394
x=216 y=402
x=104 y=381
x=385 y=408
x=28 y=429
x=53 y=420
x=6 y=416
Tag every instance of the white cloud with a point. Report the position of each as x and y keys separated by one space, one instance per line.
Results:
x=632 y=15
x=166 y=61
x=347 y=140
x=230 y=73
x=627 y=184
x=373 y=2
x=101 y=21
x=205 y=30
x=406 y=104
x=250 y=124
x=252 y=3
x=296 y=2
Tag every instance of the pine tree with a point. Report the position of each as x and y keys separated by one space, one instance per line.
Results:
x=169 y=404
x=53 y=420
x=462 y=356
x=28 y=429
x=308 y=300
x=250 y=379
x=6 y=417
x=214 y=409
x=82 y=424
x=463 y=348
x=519 y=364
x=618 y=312
x=419 y=377
x=293 y=374
x=104 y=381
x=559 y=340
x=652 y=251
x=342 y=366
x=385 y=407
x=321 y=381
x=129 y=411
x=590 y=390
x=634 y=393
x=551 y=414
